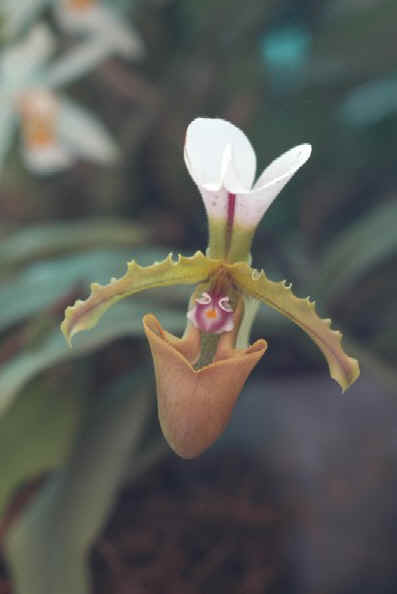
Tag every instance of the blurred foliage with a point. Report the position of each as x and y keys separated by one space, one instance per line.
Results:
x=286 y=72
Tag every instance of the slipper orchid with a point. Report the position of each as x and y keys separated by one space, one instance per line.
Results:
x=200 y=376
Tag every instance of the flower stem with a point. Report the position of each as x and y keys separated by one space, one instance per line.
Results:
x=209 y=344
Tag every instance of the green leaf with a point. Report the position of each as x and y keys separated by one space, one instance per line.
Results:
x=37 y=431
x=84 y=315
x=47 y=547
x=358 y=248
x=343 y=369
x=43 y=241
x=7 y=126
x=124 y=320
x=43 y=283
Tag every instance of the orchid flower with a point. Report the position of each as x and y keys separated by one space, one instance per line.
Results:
x=16 y=16
x=93 y=17
x=81 y=17
x=55 y=130
x=42 y=150
x=200 y=376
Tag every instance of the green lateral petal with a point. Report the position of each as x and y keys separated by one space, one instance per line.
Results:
x=344 y=369
x=84 y=315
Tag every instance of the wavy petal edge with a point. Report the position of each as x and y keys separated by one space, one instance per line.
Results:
x=302 y=311
x=85 y=314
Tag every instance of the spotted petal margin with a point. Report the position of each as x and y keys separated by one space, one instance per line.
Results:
x=344 y=369
x=84 y=315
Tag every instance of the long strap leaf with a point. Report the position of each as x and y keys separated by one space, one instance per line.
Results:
x=48 y=545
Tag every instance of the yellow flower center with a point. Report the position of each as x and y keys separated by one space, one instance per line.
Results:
x=80 y=4
x=211 y=313
x=39 y=112
x=39 y=134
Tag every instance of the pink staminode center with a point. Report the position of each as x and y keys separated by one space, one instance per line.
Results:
x=212 y=314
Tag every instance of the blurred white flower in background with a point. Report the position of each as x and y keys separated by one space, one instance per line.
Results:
x=95 y=18
x=83 y=17
x=21 y=62
x=55 y=130
x=18 y=14
x=42 y=149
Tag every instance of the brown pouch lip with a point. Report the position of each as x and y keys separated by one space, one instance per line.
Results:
x=188 y=347
x=194 y=406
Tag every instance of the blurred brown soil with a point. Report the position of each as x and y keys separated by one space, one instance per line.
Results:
x=192 y=528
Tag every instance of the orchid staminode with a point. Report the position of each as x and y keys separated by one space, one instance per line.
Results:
x=200 y=376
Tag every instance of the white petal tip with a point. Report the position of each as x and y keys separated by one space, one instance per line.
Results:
x=47 y=160
x=305 y=150
x=217 y=154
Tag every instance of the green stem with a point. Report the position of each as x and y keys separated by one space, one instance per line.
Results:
x=209 y=344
